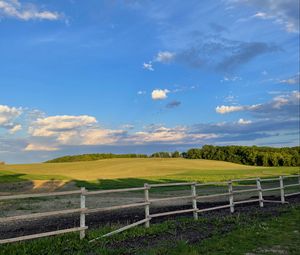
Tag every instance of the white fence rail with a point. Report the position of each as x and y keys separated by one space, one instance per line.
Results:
x=194 y=198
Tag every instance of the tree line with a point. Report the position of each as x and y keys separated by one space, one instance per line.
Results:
x=95 y=156
x=247 y=155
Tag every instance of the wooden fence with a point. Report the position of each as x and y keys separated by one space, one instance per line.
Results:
x=193 y=197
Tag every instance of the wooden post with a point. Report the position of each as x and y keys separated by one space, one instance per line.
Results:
x=147 y=207
x=260 y=194
x=281 y=189
x=82 y=214
x=230 y=190
x=194 y=201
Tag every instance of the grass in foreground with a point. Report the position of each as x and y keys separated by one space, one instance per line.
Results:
x=236 y=234
x=118 y=173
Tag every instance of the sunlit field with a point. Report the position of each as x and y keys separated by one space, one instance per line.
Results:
x=132 y=172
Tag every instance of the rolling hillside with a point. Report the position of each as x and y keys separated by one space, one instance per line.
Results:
x=133 y=170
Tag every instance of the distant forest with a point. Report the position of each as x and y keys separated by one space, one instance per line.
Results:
x=95 y=156
x=247 y=155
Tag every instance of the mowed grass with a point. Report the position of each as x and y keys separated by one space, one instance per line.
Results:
x=134 y=172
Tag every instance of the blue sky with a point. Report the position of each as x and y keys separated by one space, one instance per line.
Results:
x=142 y=76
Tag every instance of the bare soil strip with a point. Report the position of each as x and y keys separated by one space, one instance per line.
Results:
x=97 y=220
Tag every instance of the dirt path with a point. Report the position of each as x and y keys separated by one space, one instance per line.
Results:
x=14 y=229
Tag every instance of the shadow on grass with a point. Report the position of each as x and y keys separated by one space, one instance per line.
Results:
x=7 y=177
x=123 y=183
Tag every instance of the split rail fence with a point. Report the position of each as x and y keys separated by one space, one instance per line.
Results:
x=193 y=197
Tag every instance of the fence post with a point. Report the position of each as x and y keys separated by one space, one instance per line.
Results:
x=194 y=201
x=281 y=190
x=82 y=214
x=260 y=194
x=147 y=207
x=230 y=190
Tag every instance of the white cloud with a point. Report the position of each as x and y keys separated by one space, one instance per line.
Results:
x=159 y=94
x=244 y=122
x=148 y=66
x=227 y=109
x=261 y=15
x=289 y=81
x=165 y=56
x=163 y=134
x=14 y=9
x=53 y=125
x=280 y=106
x=282 y=100
x=282 y=12
x=294 y=80
x=15 y=129
x=72 y=130
x=39 y=147
x=8 y=116
x=101 y=136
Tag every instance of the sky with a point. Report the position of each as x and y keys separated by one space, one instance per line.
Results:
x=139 y=76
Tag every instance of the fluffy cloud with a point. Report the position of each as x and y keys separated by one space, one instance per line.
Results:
x=8 y=116
x=162 y=57
x=70 y=130
x=14 y=9
x=148 y=66
x=102 y=136
x=56 y=125
x=165 y=56
x=278 y=117
x=159 y=94
x=15 y=128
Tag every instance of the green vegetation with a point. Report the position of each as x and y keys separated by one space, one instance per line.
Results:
x=256 y=233
x=117 y=173
x=247 y=155
x=96 y=156
x=255 y=156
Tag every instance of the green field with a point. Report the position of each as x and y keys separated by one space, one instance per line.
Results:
x=134 y=172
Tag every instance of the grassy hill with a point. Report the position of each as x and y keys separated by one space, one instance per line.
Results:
x=133 y=172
